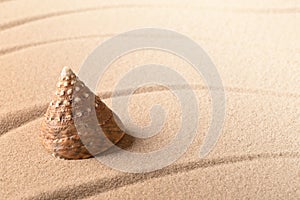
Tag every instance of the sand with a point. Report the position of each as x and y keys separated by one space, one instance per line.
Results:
x=255 y=47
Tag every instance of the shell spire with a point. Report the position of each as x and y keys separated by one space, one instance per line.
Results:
x=74 y=103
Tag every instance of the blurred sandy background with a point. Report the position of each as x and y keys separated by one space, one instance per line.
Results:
x=256 y=48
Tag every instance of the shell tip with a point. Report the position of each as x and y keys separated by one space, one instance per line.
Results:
x=66 y=71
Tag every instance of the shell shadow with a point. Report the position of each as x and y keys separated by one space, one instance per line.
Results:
x=124 y=144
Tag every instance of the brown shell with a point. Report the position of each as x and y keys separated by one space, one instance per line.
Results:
x=58 y=132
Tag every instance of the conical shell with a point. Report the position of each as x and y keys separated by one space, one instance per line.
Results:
x=59 y=134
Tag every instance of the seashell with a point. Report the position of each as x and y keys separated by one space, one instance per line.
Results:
x=58 y=132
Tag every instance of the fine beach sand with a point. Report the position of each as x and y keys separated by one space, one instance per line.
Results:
x=256 y=48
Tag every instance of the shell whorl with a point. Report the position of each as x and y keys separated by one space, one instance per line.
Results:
x=58 y=132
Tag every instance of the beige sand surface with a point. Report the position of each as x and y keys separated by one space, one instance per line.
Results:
x=256 y=48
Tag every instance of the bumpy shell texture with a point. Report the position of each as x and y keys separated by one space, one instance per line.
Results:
x=74 y=104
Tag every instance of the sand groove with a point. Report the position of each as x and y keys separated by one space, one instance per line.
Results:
x=2 y=1
x=104 y=185
x=17 y=118
x=27 y=20
x=25 y=46
x=157 y=88
x=17 y=48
